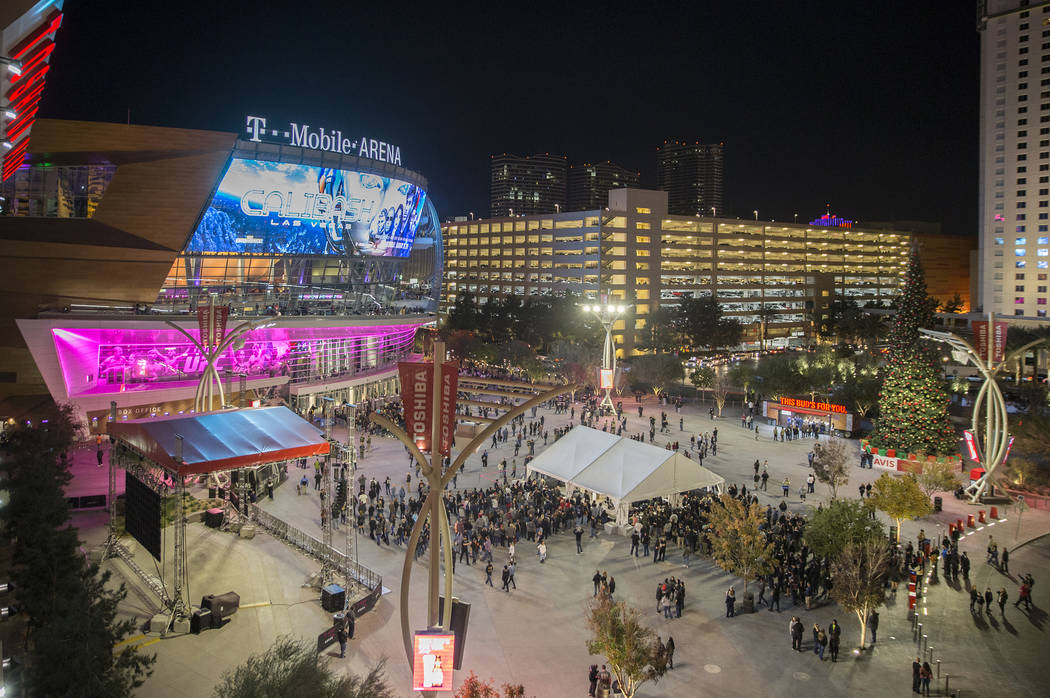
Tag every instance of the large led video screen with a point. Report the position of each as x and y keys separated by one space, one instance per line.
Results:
x=281 y=208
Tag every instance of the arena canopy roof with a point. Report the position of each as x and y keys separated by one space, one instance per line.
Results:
x=222 y=440
x=621 y=469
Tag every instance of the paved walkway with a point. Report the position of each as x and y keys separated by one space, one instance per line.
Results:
x=535 y=635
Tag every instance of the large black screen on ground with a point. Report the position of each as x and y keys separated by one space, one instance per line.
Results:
x=142 y=514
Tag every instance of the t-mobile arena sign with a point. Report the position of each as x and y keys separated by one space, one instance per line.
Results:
x=330 y=140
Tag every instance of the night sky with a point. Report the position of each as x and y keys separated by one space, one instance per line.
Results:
x=872 y=107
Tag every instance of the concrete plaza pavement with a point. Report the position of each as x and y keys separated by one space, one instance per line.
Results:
x=536 y=634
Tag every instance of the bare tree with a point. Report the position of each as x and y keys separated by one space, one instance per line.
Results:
x=830 y=464
x=720 y=390
x=860 y=572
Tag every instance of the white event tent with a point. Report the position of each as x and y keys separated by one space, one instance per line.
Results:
x=622 y=469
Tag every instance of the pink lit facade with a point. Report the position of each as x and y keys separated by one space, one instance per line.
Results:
x=148 y=368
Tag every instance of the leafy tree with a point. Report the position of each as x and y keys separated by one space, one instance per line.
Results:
x=776 y=376
x=937 y=476
x=839 y=523
x=464 y=344
x=292 y=667
x=465 y=314
x=860 y=572
x=900 y=498
x=858 y=384
x=766 y=315
x=955 y=304
x=630 y=649
x=517 y=353
x=831 y=464
x=738 y=543
x=661 y=331
x=657 y=371
x=702 y=377
x=575 y=362
x=913 y=405
x=702 y=325
x=817 y=373
x=743 y=375
x=71 y=609
x=473 y=687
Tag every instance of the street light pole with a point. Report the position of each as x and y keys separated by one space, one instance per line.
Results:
x=607 y=315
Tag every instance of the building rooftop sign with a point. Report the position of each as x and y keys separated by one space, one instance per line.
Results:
x=330 y=140
x=829 y=220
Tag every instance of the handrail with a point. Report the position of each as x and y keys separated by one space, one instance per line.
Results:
x=313 y=547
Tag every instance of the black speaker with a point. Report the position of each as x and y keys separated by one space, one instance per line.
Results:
x=460 y=619
x=201 y=620
x=333 y=598
x=221 y=605
x=213 y=518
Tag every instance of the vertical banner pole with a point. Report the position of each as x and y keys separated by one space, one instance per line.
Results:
x=434 y=480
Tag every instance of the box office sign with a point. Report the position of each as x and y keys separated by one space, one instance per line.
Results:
x=417 y=399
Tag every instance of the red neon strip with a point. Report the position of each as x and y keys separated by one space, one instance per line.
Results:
x=16 y=129
x=28 y=98
x=13 y=162
x=33 y=61
x=37 y=77
x=7 y=174
x=50 y=25
x=27 y=106
x=16 y=150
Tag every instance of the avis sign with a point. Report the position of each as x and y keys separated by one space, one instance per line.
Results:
x=417 y=400
x=330 y=140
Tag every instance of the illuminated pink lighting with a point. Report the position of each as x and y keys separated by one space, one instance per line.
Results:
x=112 y=360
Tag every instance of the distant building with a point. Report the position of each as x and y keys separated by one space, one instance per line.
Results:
x=1014 y=201
x=589 y=185
x=945 y=259
x=530 y=185
x=693 y=176
x=638 y=254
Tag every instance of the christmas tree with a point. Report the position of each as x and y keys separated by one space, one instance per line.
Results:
x=913 y=404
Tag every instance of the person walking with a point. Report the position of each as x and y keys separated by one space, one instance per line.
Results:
x=822 y=643
x=597 y=579
x=506 y=579
x=988 y=598
x=786 y=486
x=916 y=675
x=578 y=532
x=1004 y=564
x=612 y=586
x=1023 y=595
x=730 y=603
x=1003 y=597
x=964 y=564
x=342 y=636
x=795 y=628
x=635 y=539
x=592 y=676
x=488 y=574
x=873 y=625
x=669 y=648
x=512 y=568
x=811 y=482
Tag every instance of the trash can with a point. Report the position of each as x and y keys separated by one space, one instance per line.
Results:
x=938 y=504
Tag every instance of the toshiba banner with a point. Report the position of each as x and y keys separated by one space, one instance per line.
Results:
x=416 y=398
x=449 y=384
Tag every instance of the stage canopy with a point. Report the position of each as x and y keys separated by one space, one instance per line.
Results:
x=222 y=440
x=621 y=469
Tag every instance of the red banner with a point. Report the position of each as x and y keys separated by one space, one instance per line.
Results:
x=416 y=401
x=211 y=321
x=980 y=336
x=449 y=385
